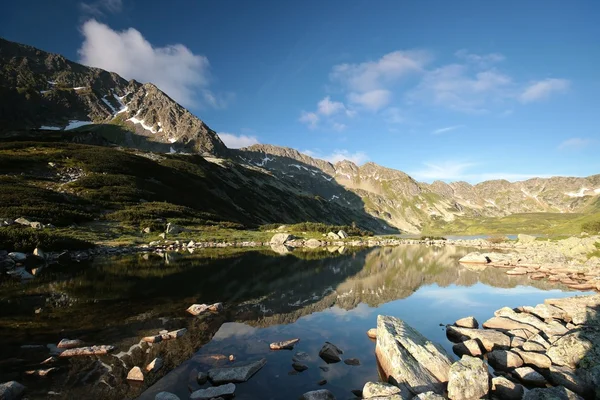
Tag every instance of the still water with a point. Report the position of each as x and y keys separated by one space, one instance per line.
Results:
x=321 y=296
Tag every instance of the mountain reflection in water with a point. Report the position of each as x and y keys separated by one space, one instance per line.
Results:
x=335 y=297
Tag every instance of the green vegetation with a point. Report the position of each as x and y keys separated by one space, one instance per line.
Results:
x=351 y=230
x=547 y=223
x=595 y=253
x=432 y=237
x=19 y=238
x=591 y=227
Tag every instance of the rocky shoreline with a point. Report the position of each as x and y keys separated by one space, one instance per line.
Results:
x=547 y=351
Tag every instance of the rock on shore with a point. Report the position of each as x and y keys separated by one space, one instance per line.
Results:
x=409 y=358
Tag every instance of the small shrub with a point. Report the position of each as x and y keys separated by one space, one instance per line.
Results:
x=18 y=238
x=431 y=237
x=497 y=239
x=592 y=227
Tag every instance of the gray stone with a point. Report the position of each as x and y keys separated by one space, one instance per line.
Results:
x=227 y=390
x=173 y=229
x=550 y=328
x=280 y=238
x=88 y=351
x=533 y=358
x=197 y=309
x=299 y=366
x=522 y=238
x=570 y=379
x=467 y=322
x=507 y=324
x=580 y=309
x=11 y=390
x=352 y=361
x=284 y=345
x=570 y=349
x=334 y=236
x=154 y=365
x=322 y=394
x=529 y=376
x=301 y=356
x=469 y=347
x=36 y=225
x=409 y=358
x=490 y=339
x=17 y=256
x=135 y=374
x=429 y=396
x=379 y=389
x=503 y=388
x=553 y=393
x=475 y=258
x=330 y=353
x=237 y=373
x=468 y=379
x=201 y=378
x=342 y=235
x=504 y=359
x=70 y=343
x=166 y=396
x=22 y=221
x=313 y=243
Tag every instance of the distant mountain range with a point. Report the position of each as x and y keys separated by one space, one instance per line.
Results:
x=41 y=92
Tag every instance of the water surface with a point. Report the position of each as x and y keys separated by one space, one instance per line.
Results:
x=317 y=296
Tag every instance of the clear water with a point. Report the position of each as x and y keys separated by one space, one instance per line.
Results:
x=337 y=299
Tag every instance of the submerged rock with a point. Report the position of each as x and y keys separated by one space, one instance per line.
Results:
x=166 y=396
x=409 y=358
x=468 y=379
x=284 y=345
x=299 y=366
x=237 y=373
x=330 y=353
x=227 y=390
x=352 y=361
x=301 y=356
x=12 y=390
x=322 y=394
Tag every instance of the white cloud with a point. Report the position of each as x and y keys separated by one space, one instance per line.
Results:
x=358 y=157
x=309 y=118
x=373 y=100
x=339 y=126
x=479 y=59
x=447 y=129
x=372 y=75
x=452 y=171
x=575 y=143
x=541 y=90
x=459 y=88
x=99 y=7
x=328 y=107
x=174 y=68
x=237 y=141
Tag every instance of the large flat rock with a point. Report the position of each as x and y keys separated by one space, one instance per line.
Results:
x=490 y=339
x=409 y=358
x=580 y=309
x=227 y=391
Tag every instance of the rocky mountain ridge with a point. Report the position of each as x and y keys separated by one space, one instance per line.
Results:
x=42 y=90
x=402 y=202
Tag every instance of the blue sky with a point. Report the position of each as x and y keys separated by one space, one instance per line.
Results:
x=461 y=90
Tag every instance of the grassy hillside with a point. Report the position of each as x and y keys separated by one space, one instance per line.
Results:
x=56 y=178
x=540 y=223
